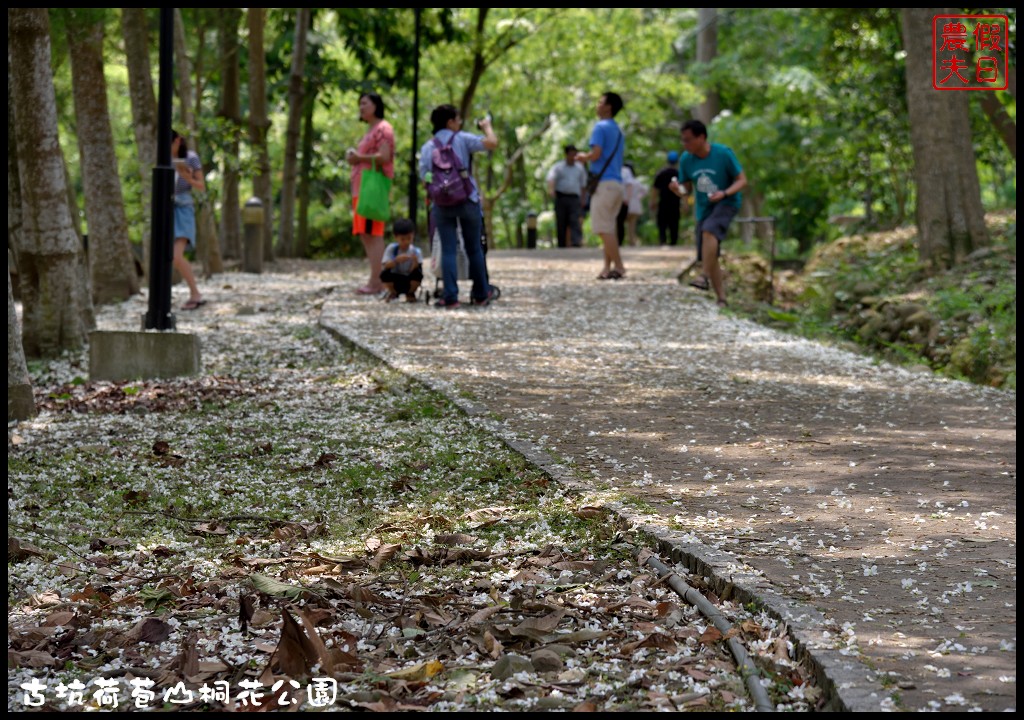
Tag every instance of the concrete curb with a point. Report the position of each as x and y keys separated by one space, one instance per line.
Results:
x=848 y=684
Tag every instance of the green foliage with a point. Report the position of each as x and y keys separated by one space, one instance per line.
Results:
x=817 y=116
x=872 y=291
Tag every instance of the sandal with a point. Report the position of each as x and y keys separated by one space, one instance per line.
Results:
x=367 y=290
x=605 y=275
x=193 y=304
x=701 y=283
x=617 y=274
x=721 y=302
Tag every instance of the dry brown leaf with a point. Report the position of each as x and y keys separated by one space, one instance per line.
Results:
x=149 y=630
x=161 y=447
x=585 y=706
x=384 y=553
x=590 y=512
x=665 y=608
x=324 y=655
x=753 y=628
x=245 y=611
x=492 y=646
x=574 y=565
x=451 y=539
x=710 y=636
x=295 y=653
x=18 y=550
x=697 y=674
x=44 y=599
x=58 y=618
x=488 y=513
x=480 y=615
x=210 y=528
x=262 y=618
x=30 y=658
x=419 y=672
x=544 y=624
x=319 y=570
x=657 y=640
x=372 y=544
x=365 y=596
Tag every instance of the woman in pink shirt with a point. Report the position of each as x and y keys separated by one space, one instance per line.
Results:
x=376 y=148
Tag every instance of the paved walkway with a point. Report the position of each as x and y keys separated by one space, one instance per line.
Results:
x=873 y=507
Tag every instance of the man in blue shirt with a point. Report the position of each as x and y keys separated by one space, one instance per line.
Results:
x=714 y=172
x=607 y=148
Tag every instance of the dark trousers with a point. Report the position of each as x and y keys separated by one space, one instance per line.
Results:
x=402 y=282
x=448 y=220
x=567 y=219
x=668 y=224
x=620 y=223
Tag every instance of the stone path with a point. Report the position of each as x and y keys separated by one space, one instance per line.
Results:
x=873 y=507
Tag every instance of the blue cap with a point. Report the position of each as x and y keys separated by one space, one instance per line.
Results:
x=673 y=156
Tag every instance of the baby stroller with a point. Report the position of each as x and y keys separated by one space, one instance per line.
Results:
x=461 y=264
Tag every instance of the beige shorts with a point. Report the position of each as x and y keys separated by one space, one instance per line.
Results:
x=604 y=207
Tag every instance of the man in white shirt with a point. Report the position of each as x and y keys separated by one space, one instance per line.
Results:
x=566 y=183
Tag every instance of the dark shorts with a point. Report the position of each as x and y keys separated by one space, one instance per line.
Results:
x=717 y=223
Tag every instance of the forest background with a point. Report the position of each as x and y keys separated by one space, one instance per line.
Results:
x=814 y=101
x=831 y=112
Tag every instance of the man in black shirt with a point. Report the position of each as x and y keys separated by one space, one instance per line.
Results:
x=667 y=202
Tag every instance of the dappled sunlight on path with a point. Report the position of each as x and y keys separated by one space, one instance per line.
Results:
x=884 y=497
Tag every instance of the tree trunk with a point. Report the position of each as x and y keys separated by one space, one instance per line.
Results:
x=302 y=239
x=140 y=91
x=259 y=125
x=14 y=201
x=207 y=242
x=230 y=110
x=950 y=219
x=183 y=66
x=20 y=403
x=1000 y=120
x=111 y=264
x=295 y=91
x=707 y=49
x=49 y=258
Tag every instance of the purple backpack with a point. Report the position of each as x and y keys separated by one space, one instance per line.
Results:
x=449 y=182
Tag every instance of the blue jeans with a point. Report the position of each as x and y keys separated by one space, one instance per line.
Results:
x=447 y=220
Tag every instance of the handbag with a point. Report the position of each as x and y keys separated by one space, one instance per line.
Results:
x=594 y=179
x=374 y=195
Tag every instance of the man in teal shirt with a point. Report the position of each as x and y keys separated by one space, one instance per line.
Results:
x=713 y=171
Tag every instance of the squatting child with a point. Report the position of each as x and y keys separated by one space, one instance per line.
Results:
x=403 y=263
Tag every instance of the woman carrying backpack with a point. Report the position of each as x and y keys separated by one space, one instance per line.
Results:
x=377 y=148
x=446 y=169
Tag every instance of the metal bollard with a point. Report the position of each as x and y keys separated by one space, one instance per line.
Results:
x=252 y=251
x=531 y=230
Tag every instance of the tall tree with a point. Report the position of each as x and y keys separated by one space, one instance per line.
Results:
x=707 y=50
x=20 y=403
x=286 y=244
x=231 y=112
x=57 y=310
x=950 y=218
x=111 y=264
x=207 y=242
x=259 y=125
x=306 y=169
x=135 y=30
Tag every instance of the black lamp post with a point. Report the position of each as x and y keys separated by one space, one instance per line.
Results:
x=159 y=315
x=414 y=183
